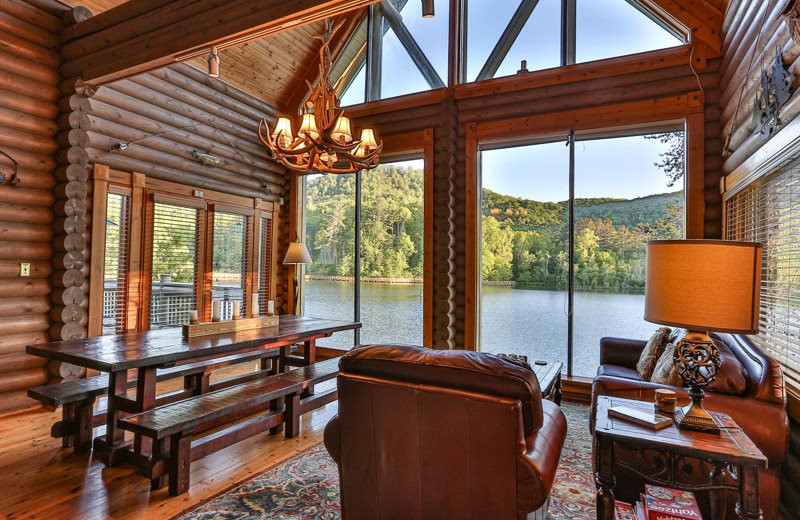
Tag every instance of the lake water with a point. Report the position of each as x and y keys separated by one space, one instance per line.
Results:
x=522 y=321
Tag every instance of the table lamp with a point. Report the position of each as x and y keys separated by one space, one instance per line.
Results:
x=702 y=285
x=297 y=254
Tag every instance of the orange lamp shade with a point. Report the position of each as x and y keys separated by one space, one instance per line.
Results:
x=704 y=285
x=341 y=131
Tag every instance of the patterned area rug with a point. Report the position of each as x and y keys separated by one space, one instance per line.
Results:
x=306 y=487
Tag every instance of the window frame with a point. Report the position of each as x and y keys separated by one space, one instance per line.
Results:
x=144 y=192
x=397 y=147
x=688 y=110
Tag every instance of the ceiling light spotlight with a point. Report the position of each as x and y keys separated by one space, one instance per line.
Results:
x=427 y=9
x=213 y=63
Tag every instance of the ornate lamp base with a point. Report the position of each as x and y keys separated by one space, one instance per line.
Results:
x=697 y=359
x=693 y=416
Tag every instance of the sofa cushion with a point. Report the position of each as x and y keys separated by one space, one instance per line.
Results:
x=665 y=372
x=618 y=371
x=652 y=352
x=731 y=379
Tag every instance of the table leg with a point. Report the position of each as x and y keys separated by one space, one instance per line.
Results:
x=109 y=444
x=309 y=358
x=718 y=496
x=557 y=391
x=748 y=507
x=145 y=400
x=604 y=477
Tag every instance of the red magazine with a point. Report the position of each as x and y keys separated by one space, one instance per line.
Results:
x=660 y=503
x=624 y=511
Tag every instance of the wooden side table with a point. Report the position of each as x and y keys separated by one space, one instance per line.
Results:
x=732 y=451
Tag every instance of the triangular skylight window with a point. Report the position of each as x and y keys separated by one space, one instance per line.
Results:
x=399 y=74
x=610 y=28
x=539 y=42
x=354 y=92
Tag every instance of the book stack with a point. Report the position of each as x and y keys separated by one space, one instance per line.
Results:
x=660 y=503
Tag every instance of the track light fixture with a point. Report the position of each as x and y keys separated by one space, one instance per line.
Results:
x=213 y=63
x=427 y=9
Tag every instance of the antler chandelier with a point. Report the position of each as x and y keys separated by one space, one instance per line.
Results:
x=324 y=142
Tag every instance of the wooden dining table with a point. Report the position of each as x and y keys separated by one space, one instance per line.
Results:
x=148 y=351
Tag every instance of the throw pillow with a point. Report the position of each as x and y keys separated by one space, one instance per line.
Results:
x=652 y=352
x=731 y=378
x=665 y=371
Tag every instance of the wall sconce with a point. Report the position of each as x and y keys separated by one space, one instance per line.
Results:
x=213 y=63
x=14 y=180
x=427 y=9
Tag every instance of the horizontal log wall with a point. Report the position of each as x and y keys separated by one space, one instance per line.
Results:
x=753 y=32
x=171 y=112
x=29 y=39
x=656 y=75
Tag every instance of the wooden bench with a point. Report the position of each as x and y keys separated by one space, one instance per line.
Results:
x=77 y=397
x=172 y=426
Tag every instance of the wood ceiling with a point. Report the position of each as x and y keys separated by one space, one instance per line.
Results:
x=269 y=68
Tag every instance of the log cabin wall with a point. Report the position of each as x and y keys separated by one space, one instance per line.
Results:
x=753 y=32
x=29 y=40
x=659 y=74
x=154 y=124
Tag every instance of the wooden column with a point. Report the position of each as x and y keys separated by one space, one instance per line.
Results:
x=70 y=229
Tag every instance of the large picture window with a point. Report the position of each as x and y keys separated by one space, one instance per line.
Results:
x=229 y=271
x=383 y=285
x=555 y=281
x=174 y=268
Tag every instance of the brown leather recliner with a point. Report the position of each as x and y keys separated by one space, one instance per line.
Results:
x=759 y=410
x=426 y=435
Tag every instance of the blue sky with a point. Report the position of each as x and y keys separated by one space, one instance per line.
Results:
x=605 y=28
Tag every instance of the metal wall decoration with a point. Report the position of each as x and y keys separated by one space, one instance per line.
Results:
x=776 y=89
x=14 y=180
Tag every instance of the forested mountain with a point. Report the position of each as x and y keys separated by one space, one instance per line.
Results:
x=523 y=240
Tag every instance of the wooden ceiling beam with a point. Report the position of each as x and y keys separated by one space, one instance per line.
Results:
x=142 y=35
x=702 y=18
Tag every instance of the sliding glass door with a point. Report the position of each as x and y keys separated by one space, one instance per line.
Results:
x=379 y=280
x=626 y=190
x=624 y=197
x=329 y=222
x=524 y=251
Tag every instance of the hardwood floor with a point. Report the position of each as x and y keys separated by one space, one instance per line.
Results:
x=39 y=479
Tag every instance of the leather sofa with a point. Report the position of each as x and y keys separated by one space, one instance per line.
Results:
x=760 y=409
x=424 y=435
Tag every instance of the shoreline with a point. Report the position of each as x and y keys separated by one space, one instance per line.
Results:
x=486 y=283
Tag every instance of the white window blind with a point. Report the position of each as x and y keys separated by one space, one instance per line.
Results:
x=229 y=276
x=115 y=279
x=174 y=265
x=264 y=265
x=768 y=211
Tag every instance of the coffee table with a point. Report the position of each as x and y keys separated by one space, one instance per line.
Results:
x=731 y=449
x=549 y=375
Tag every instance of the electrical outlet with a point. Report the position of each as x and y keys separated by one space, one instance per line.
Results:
x=25 y=269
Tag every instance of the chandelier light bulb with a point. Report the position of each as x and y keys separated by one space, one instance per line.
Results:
x=341 y=131
x=368 y=139
x=308 y=127
x=283 y=131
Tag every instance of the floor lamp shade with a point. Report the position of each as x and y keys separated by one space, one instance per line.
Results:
x=297 y=254
x=704 y=285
